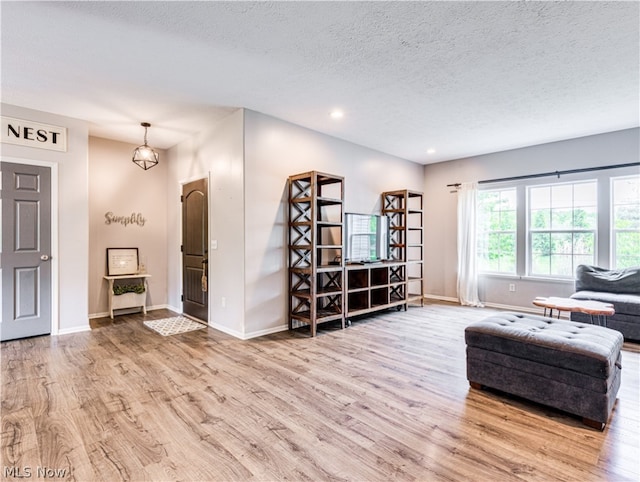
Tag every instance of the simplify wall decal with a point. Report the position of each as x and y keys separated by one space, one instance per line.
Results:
x=134 y=218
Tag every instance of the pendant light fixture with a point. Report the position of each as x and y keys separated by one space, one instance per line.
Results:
x=144 y=156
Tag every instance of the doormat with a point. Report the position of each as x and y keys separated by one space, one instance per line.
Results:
x=173 y=326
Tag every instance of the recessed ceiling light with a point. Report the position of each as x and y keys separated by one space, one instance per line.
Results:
x=337 y=114
x=431 y=150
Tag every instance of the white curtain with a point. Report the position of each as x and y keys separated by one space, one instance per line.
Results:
x=467 y=264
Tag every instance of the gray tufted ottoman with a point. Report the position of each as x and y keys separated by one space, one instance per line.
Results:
x=574 y=367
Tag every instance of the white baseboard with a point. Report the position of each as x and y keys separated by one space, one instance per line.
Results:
x=75 y=329
x=442 y=298
x=247 y=336
x=500 y=306
x=278 y=329
x=497 y=306
x=524 y=309
x=98 y=315
x=268 y=331
x=149 y=308
x=227 y=330
x=215 y=326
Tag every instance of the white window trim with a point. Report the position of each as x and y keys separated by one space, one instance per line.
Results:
x=612 y=230
x=603 y=255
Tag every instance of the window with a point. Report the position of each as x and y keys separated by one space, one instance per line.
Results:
x=625 y=229
x=497 y=231
x=562 y=228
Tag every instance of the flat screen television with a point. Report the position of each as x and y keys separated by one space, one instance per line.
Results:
x=366 y=238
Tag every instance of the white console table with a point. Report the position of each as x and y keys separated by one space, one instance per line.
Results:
x=128 y=300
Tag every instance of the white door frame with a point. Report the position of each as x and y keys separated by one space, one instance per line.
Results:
x=55 y=266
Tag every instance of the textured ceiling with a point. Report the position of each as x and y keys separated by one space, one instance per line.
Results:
x=465 y=78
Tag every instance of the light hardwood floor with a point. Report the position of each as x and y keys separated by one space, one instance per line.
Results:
x=385 y=399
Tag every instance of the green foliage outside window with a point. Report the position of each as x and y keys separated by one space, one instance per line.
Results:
x=497 y=225
x=626 y=221
x=562 y=226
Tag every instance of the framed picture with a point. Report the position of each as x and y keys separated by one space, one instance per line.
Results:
x=122 y=261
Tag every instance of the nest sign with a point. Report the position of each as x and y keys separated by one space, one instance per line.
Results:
x=33 y=134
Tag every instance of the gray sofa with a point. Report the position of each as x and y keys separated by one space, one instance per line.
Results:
x=620 y=287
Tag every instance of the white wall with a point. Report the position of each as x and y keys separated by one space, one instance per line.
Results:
x=248 y=158
x=70 y=263
x=217 y=154
x=275 y=150
x=119 y=186
x=619 y=147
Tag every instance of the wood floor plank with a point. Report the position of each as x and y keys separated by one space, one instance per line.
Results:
x=19 y=439
x=385 y=399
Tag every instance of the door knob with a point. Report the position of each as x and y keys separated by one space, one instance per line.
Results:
x=44 y=257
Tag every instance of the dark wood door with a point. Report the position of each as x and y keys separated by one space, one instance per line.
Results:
x=26 y=251
x=195 y=242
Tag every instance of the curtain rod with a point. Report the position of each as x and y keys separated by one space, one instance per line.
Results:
x=555 y=173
